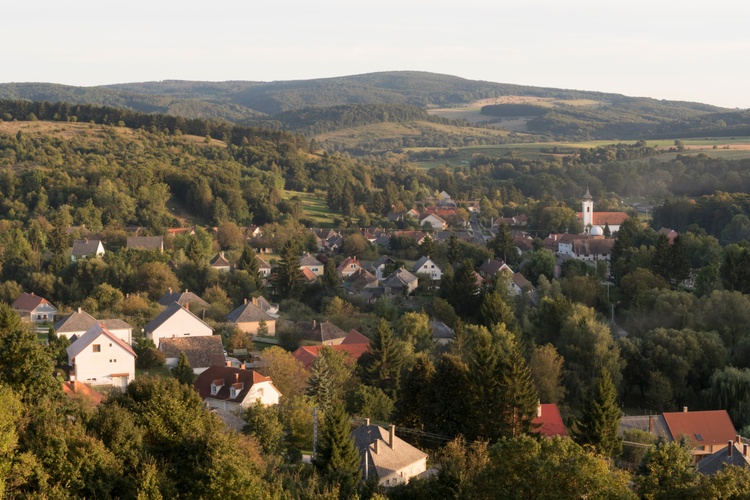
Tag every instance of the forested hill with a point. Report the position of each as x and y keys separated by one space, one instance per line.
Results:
x=313 y=106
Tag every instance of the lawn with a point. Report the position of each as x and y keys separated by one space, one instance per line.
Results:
x=314 y=208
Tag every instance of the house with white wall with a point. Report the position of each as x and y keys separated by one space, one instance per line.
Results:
x=86 y=248
x=234 y=389
x=79 y=321
x=427 y=267
x=176 y=321
x=99 y=357
x=385 y=456
x=34 y=308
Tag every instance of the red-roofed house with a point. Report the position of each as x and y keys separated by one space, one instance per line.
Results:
x=708 y=431
x=354 y=344
x=348 y=266
x=34 y=308
x=235 y=388
x=550 y=421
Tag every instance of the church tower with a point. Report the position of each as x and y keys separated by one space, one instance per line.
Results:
x=587 y=211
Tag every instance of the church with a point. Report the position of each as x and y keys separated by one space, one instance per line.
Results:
x=594 y=222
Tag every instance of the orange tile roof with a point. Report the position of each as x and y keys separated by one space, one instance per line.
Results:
x=611 y=218
x=550 y=421
x=307 y=354
x=75 y=389
x=703 y=428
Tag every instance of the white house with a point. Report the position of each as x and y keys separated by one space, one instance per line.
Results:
x=437 y=222
x=233 y=389
x=220 y=263
x=386 y=457
x=34 y=308
x=427 y=266
x=176 y=321
x=86 y=248
x=99 y=357
x=77 y=323
x=264 y=268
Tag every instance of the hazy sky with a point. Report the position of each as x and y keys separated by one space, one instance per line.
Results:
x=683 y=50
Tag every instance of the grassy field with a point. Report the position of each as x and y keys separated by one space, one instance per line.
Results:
x=730 y=148
x=314 y=208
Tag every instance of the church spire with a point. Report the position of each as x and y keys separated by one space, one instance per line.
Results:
x=587 y=196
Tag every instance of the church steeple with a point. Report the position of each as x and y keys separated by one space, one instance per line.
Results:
x=587 y=211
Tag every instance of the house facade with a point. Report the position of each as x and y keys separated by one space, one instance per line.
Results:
x=86 y=248
x=176 y=321
x=99 y=357
x=427 y=267
x=386 y=457
x=249 y=315
x=234 y=389
x=34 y=308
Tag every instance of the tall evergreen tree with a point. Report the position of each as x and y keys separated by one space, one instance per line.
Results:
x=495 y=309
x=464 y=290
x=427 y=247
x=679 y=265
x=502 y=245
x=454 y=249
x=286 y=276
x=331 y=276
x=413 y=392
x=600 y=418
x=518 y=396
x=381 y=365
x=320 y=386
x=262 y=328
x=446 y=405
x=183 y=372
x=249 y=263
x=337 y=456
x=483 y=389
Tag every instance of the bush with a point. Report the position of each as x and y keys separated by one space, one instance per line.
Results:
x=151 y=358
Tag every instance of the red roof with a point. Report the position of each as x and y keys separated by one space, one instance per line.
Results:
x=27 y=302
x=308 y=275
x=354 y=337
x=307 y=354
x=550 y=421
x=75 y=389
x=228 y=377
x=704 y=428
x=611 y=218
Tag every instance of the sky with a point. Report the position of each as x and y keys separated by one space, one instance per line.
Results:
x=666 y=49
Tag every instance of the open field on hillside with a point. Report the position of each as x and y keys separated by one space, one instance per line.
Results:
x=314 y=208
x=729 y=148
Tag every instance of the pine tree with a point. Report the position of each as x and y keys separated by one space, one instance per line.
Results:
x=381 y=365
x=427 y=247
x=518 y=396
x=331 y=276
x=679 y=265
x=337 y=456
x=494 y=310
x=454 y=249
x=249 y=263
x=600 y=418
x=262 y=328
x=412 y=393
x=320 y=386
x=483 y=389
x=464 y=290
x=607 y=230
x=286 y=276
x=502 y=245
x=183 y=371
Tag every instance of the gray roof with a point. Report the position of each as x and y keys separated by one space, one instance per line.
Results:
x=422 y=261
x=309 y=260
x=248 y=312
x=441 y=331
x=116 y=324
x=399 y=279
x=383 y=259
x=201 y=352
x=220 y=261
x=79 y=321
x=717 y=461
x=146 y=242
x=92 y=334
x=389 y=458
x=319 y=332
x=262 y=264
x=658 y=426
x=85 y=247
x=166 y=314
x=182 y=298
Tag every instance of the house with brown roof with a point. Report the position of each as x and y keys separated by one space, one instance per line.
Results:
x=155 y=243
x=436 y=222
x=79 y=321
x=671 y=234
x=86 y=248
x=99 y=357
x=491 y=267
x=358 y=282
x=220 y=263
x=235 y=389
x=386 y=457
x=76 y=390
x=34 y=308
x=248 y=316
x=400 y=281
x=264 y=268
x=348 y=266
x=707 y=431
x=201 y=352
x=354 y=344
x=520 y=284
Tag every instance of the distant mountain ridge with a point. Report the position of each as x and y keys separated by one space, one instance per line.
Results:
x=296 y=105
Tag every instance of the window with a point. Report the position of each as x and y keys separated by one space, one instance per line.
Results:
x=260 y=392
x=214 y=390
x=97 y=347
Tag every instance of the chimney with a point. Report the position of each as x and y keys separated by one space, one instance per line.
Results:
x=255 y=300
x=538 y=409
x=391 y=435
x=377 y=446
x=684 y=409
x=738 y=439
x=245 y=300
x=186 y=290
x=242 y=366
x=222 y=254
x=730 y=445
x=744 y=449
x=228 y=364
x=79 y=310
x=651 y=424
x=170 y=289
x=187 y=305
x=367 y=422
x=236 y=377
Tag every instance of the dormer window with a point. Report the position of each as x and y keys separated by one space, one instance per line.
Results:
x=216 y=386
x=235 y=390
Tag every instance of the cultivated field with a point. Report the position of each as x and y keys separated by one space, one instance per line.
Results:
x=314 y=208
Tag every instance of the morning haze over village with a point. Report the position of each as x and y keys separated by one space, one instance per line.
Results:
x=276 y=268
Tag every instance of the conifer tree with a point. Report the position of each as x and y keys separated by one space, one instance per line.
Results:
x=320 y=386
x=337 y=456
x=427 y=247
x=183 y=372
x=518 y=396
x=502 y=245
x=331 y=276
x=249 y=263
x=454 y=249
x=412 y=393
x=381 y=365
x=495 y=309
x=286 y=276
x=600 y=418
x=483 y=388
x=262 y=328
